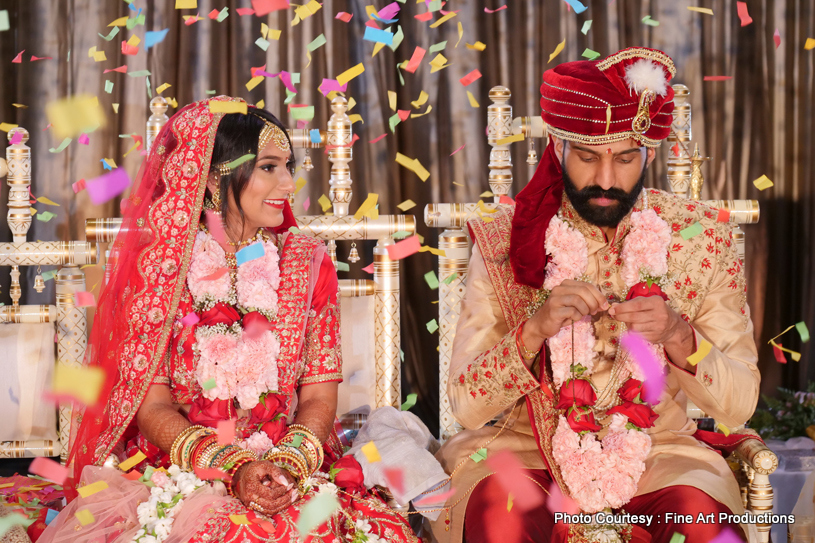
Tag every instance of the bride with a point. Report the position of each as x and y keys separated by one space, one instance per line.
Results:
x=218 y=315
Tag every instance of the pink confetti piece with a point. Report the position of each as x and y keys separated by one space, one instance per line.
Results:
x=506 y=200
x=329 y=85
x=83 y=139
x=487 y=10
x=78 y=186
x=128 y=49
x=189 y=319
x=557 y=502
x=217 y=274
x=511 y=474
x=120 y=69
x=777 y=38
x=245 y=11
x=33 y=58
x=47 y=468
x=215 y=225
x=208 y=474
x=457 y=150
x=226 y=432
x=643 y=355
x=470 y=77
x=424 y=17
x=415 y=59
x=405 y=248
x=264 y=7
x=16 y=138
x=19 y=58
x=779 y=354
x=723 y=216
x=212 y=15
x=369 y=268
x=372 y=24
x=285 y=77
x=344 y=17
x=430 y=500
x=307 y=203
x=108 y=186
x=741 y=8
x=189 y=21
x=395 y=478
x=376 y=139
x=389 y=12
x=718 y=77
x=726 y=536
x=403 y=114
x=84 y=299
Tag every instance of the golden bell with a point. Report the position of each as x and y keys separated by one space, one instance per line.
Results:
x=353 y=255
x=307 y=165
x=532 y=157
x=39 y=284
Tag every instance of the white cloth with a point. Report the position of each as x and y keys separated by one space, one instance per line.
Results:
x=403 y=442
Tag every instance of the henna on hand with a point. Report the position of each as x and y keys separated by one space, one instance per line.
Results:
x=264 y=487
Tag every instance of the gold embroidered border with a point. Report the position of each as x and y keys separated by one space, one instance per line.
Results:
x=602 y=139
x=324 y=378
x=634 y=52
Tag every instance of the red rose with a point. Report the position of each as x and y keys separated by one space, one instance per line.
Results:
x=350 y=475
x=638 y=414
x=576 y=392
x=642 y=289
x=220 y=314
x=267 y=408
x=581 y=419
x=275 y=429
x=209 y=412
x=630 y=390
x=255 y=323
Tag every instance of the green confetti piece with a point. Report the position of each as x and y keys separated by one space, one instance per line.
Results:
x=295 y=78
x=111 y=35
x=149 y=88
x=139 y=73
x=316 y=43
x=410 y=401
x=586 y=27
x=45 y=216
x=294 y=230
x=343 y=266
x=393 y=121
x=479 y=455
x=240 y=160
x=210 y=92
x=431 y=280
x=803 y=331
x=677 y=538
x=649 y=21
x=316 y=511
x=450 y=279
x=693 y=230
x=590 y=54
x=222 y=15
x=296 y=441
x=401 y=355
x=400 y=234
x=61 y=147
x=435 y=48
x=305 y=113
x=435 y=5
x=432 y=326
x=10 y=521
x=4 y=22
x=209 y=384
x=263 y=44
x=50 y=274
x=289 y=97
x=109 y=84
x=397 y=38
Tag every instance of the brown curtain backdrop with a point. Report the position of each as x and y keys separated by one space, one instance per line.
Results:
x=760 y=122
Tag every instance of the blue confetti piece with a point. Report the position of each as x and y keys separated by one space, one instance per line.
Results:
x=50 y=516
x=105 y=165
x=385 y=21
x=576 y=6
x=378 y=36
x=14 y=399
x=249 y=253
x=154 y=37
x=315 y=136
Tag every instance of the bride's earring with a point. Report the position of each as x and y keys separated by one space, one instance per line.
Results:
x=216 y=200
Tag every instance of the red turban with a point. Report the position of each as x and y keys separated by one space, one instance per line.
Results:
x=626 y=95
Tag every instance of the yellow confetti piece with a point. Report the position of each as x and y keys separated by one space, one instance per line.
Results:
x=7 y=485
x=413 y=165
x=701 y=352
x=275 y=34
x=93 y=488
x=810 y=44
x=706 y=11
x=20 y=105
x=264 y=30
x=419 y=102
x=82 y=383
x=473 y=101
x=350 y=74
x=324 y=202
x=299 y=184
x=5 y=127
x=121 y=21
x=486 y=194
x=46 y=201
x=438 y=63
x=407 y=204
x=134 y=40
x=163 y=87
x=443 y=20
x=75 y=115
x=723 y=429
x=377 y=48
x=485 y=209
x=116 y=108
x=356 y=118
x=261 y=104
x=371 y=453
x=99 y=56
x=432 y=250
x=227 y=107
x=366 y=207
x=239 y=519
x=33 y=211
x=132 y=461
x=429 y=109
x=557 y=50
x=460 y=33
x=186 y=4
x=110 y=162
x=510 y=139
x=477 y=46
x=796 y=356
x=392 y=100
x=351 y=103
x=85 y=517
x=254 y=82
x=763 y=183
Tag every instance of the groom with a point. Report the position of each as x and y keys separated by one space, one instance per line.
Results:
x=620 y=257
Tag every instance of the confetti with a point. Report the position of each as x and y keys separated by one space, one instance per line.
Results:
x=120 y=69
x=701 y=352
x=557 y=51
x=432 y=326
x=803 y=331
x=316 y=511
x=85 y=517
x=264 y=7
x=209 y=384
x=404 y=248
x=371 y=452
x=723 y=429
x=186 y=4
x=210 y=474
x=344 y=17
x=763 y=183
x=586 y=27
x=325 y=203
x=810 y=44
x=777 y=38
x=226 y=432
x=649 y=21
x=240 y=160
x=91 y=489
x=450 y=279
x=45 y=216
x=133 y=461
x=487 y=10
x=407 y=204
x=431 y=280
x=75 y=115
x=677 y=538
x=47 y=468
x=744 y=17
x=718 y=77
x=473 y=101
x=19 y=58
x=693 y=230
x=378 y=36
x=369 y=268
x=410 y=401
x=576 y=6
x=49 y=517
x=443 y=20
x=457 y=150
x=247 y=254
x=723 y=216
x=470 y=77
x=350 y=74
x=644 y=356
x=477 y=46
x=239 y=519
x=46 y=201
x=367 y=206
x=420 y=101
x=438 y=63
x=510 y=139
x=106 y=187
x=415 y=60
x=706 y=11
x=479 y=455
x=217 y=106
x=413 y=165
x=4 y=22
x=84 y=299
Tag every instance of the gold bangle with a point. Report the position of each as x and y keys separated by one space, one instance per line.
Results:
x=525 y=353
x=181 y=437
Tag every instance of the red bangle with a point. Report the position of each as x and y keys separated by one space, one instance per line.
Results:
x=519 y=342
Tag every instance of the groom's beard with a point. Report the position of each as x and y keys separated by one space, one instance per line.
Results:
x=610 y=215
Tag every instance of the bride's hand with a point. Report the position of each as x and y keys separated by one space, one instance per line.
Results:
x=264 y=487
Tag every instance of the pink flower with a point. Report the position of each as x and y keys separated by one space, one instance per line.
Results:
x=259 y=279
x=258 y=442
x=159 y=478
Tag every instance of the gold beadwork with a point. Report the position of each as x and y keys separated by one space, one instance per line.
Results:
x=642 y=121
x=271 y=132
x=636 y=52
x=216 y=199
x=224 y=169
x=604 y=138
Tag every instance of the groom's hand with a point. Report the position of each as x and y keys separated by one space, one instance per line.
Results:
x=569 y=301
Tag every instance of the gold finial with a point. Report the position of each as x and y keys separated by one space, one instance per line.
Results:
x=696 y=177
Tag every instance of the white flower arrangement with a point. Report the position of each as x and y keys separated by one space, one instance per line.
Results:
x=167 y=493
